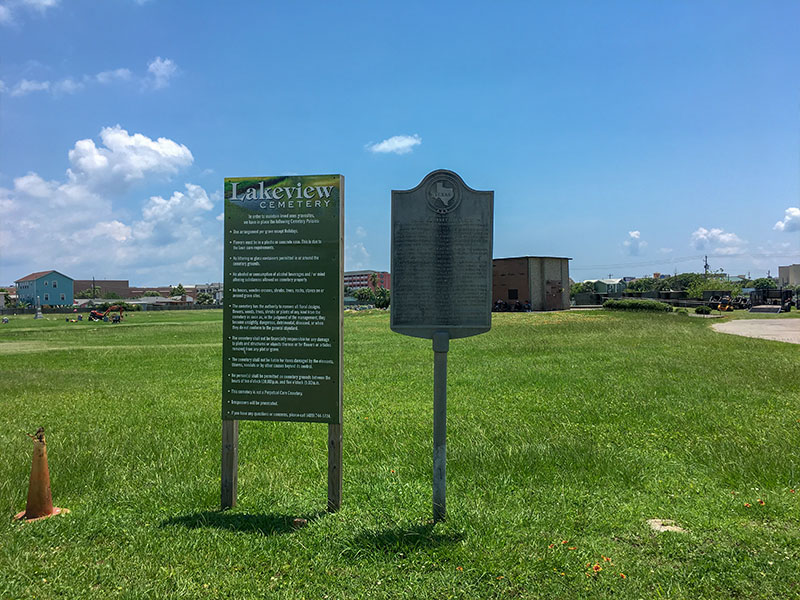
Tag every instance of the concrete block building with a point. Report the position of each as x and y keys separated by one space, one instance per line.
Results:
x=789 y=275
x=541 y=280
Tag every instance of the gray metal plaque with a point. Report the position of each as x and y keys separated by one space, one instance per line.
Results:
x=442 y=258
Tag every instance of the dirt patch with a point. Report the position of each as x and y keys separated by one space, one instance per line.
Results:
x=660 y=525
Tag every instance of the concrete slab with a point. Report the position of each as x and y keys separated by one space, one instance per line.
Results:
x=779 y=330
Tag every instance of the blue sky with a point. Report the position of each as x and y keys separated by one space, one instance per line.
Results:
x=631 y=136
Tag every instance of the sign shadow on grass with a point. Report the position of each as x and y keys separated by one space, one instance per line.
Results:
x=263 y=524
x=403 y=539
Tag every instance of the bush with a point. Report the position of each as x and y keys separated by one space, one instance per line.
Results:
x=646 y=305
x=703 y=310
x=682 y=311
x=103 y=306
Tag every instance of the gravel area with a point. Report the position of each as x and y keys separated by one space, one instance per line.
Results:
x=779 y=330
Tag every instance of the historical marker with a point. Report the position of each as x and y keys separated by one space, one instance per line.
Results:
x=282 y=327
x=441 y=280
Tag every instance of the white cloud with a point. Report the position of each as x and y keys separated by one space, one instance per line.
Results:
x=106 y=77
x=791 y=220
x=7 y=9
x=174 y=235
x=67 y=86
x=161 y=71
x=110 y=229
x=634 y=244
x=40 y=5
x=356 y=256
x=398 y=144
x=665 y=250
x=34 y=186
x=179 y=204
x=27 y=86
x=726 y=242
x=728 y=251
x=361 y=232
x=2 y=84
x=126 y=157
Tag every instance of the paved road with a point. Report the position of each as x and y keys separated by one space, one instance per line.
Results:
x=781 y=330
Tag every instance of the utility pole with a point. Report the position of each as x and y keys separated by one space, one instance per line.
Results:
x=705 y=267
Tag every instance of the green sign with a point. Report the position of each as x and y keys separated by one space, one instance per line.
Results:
x=282 y=345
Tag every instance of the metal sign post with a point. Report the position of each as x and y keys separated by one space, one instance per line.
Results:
x=441 y=282
x=441 y=344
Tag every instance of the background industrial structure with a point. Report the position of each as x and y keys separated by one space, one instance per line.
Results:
x=541 y=280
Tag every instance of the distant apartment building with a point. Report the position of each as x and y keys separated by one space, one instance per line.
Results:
x=361 y=279
x=212 y=289
x=51 y=288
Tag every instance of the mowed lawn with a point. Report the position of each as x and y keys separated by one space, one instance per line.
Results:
x=566 y=433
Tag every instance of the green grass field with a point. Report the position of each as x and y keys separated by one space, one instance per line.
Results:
x=566 y=432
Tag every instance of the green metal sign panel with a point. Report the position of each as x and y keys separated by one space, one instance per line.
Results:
x=282 y=344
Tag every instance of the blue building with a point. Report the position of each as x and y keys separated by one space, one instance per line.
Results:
x=52 y=288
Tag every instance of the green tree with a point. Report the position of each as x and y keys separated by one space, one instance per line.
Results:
x=764 y=283
x=204 y=298
x=373 y=280
x=365 y=295
x=383 y=298
x=177 y=291
x=713 y=284
x=580 y=287
x=682 y=281
x=111 y=296
x=643 y=284
x=91 y=292
x=151 y=294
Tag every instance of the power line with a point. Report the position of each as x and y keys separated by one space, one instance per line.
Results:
x=681 y=260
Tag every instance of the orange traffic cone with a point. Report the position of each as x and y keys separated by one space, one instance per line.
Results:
x=40 y=499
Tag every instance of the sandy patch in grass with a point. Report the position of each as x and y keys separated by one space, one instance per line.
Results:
x=28 y=347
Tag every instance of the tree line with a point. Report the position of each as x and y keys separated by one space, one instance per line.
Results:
x=694 y=284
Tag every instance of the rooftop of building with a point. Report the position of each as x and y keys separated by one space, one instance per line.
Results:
x=39 y=275
x=518 y=257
